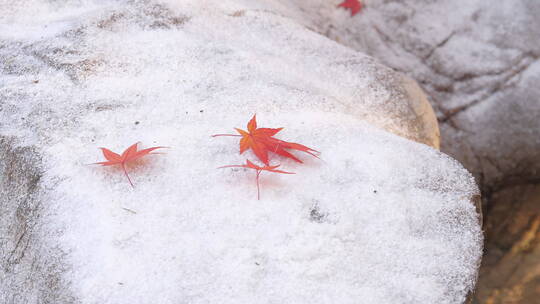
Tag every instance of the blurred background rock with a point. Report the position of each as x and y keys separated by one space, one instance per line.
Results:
x=479 y=63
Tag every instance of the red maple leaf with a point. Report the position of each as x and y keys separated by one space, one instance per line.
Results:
x=130 y=154
x=259 y=169
x=261 y=141
x=353 y=5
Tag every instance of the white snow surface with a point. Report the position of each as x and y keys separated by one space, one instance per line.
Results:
x=378 y=219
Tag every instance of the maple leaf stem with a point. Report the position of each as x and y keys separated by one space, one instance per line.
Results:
x=258 y=190
x=216 y=135
x=125 y=172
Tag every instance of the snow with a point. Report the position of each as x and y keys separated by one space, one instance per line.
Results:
x=379 y=219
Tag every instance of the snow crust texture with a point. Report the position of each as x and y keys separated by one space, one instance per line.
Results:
x=379 y=219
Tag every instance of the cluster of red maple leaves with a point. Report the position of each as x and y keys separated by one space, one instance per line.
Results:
x=261 y=141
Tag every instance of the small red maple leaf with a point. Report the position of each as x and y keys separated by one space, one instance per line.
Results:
x=130 y=154
x=353 y=5
x=261 y=141
x=259 y=169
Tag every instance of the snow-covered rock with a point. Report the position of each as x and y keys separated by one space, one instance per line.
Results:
x=478 y=61
x=378 y=219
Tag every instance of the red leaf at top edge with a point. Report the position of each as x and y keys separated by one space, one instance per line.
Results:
x=354 y=6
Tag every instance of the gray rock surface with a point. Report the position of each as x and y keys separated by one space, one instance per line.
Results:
x=31 y=269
